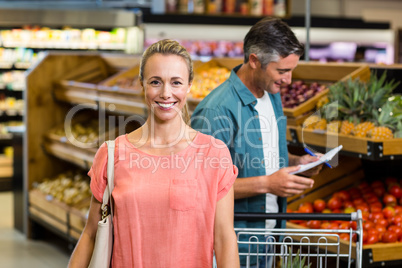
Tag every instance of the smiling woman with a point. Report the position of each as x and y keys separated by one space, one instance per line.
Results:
x=173 y=186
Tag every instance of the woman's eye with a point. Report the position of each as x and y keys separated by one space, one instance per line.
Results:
x=155 y=82
x=177 y=83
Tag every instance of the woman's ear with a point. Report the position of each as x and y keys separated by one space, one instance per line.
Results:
x=189 y=87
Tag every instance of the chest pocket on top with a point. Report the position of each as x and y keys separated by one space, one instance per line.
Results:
x=183 y=193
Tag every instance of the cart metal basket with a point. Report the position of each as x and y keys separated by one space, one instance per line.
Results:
x=300 y=247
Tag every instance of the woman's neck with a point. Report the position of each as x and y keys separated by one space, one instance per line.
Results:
x=165 y=133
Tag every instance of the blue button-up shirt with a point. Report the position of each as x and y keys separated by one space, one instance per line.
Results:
x=228 y=113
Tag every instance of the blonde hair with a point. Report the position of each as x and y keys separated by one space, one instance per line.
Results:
x=169 y=47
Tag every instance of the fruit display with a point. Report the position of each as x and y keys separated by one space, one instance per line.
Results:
x=70 y=188
x=379 y=201
x=299 y=92
x=365 y=110
x=87 y=132
x=206 y=80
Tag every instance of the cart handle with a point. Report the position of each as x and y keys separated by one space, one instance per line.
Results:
x=297 y=216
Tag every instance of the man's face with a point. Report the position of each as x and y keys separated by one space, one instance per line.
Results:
x=277 y=73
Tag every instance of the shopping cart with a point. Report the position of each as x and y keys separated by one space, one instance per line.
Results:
x=301 y=247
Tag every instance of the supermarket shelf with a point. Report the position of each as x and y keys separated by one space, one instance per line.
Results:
x=15 y=65
x=116 y=100
x=65 y=220
x=68 y=46
x=363 y=148
x=293 y=21
x=66 y=151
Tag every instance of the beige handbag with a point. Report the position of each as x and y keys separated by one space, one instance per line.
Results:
x=102 y=252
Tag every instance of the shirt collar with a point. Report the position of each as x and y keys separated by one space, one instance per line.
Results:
x=242 y=91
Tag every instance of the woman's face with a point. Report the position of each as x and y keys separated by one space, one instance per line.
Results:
x=166 y=85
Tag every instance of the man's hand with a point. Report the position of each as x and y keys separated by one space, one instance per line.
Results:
x=305 y=159
x=283 y=184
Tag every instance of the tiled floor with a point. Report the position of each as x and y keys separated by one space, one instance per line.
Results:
x=17 y=251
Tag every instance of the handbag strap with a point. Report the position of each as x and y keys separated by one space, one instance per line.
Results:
x=107 y=195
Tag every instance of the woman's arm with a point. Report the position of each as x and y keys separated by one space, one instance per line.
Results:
x=83 y=251
x=225 y=241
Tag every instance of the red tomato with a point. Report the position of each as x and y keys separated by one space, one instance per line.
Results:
x=397 y=220
x=389 y=200
x=343 y=195
x=396 y=191
x=363 y=207
x=375 y=216
x=314 y=224
x=319 y=205
x=303 y=223
x=379 y=191
x=365 y=236
x=358 y=201
x=398 y=210
x=381 y=230
x=353 y=225
x=371 y=239
x=372 y=199
x=334 y=203
x=389 y=237
x=344 y=225
x=382 y=221
x=388 y=212
x=348 y=204
x=397 y=230
x=368 y=225
x=333 y=225
x=325 y=225
x=306 y=207
x=374 y=231
x=344 y=236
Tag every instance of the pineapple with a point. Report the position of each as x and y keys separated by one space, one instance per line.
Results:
x=386 y=122
x=381 y=133
x=347 y=127
x=321 y=102
x=334 y=126
x=361 y=129
x=321 y=124
x=311 y=121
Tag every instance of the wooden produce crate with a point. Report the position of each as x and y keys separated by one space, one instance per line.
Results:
x=80 y=85
x=49 y=210
x=361 y=147
x=69 y=220
x=75 y=151
x=347 y=174
x=126 y=98
x=322 y=73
